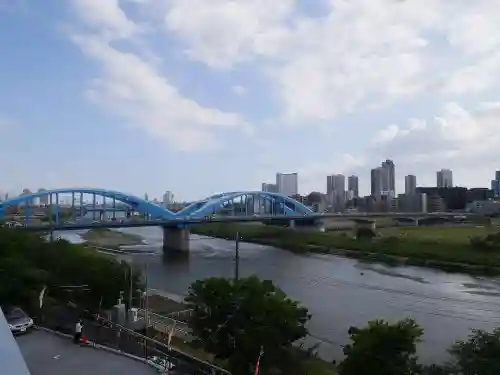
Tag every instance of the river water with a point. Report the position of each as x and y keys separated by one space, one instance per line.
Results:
x=339 y=292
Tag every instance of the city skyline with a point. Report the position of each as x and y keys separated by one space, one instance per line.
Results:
x=147 y=96
x=288 y=184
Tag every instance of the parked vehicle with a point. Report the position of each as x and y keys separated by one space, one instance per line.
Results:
x=18 y=320
x=160 y=364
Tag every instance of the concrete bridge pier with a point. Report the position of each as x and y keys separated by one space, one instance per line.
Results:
x=175 y=239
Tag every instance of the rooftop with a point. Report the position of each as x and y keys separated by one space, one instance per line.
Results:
x=49 y=354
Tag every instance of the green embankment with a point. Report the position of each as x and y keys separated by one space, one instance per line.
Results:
x=103 y=237
x=420 y=248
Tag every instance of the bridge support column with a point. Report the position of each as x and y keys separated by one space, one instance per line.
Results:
x=175 y=239
x=292 y=224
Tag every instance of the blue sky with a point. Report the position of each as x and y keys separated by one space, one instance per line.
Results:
x=199 y=96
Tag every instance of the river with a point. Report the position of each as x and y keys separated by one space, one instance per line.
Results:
x=339 y=292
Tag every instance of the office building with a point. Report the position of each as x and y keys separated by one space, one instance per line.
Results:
x=146 y=197
x=335 y=190
x=410 y=184
x=287 y=183
x=168 y=198
x=353 y=187
x=444 y=178
x=414 y=202
x=269 y=188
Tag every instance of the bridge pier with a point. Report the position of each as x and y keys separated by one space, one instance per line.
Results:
x=175 y=239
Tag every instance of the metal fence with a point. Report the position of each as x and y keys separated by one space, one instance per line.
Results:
x=102 y=331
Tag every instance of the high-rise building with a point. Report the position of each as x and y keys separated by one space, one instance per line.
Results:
x=44 y=199
x=146 y=197
x=335 y=189
x=444 y=178
x=410 y=184
x=388 y=178
x=353 y=186
x=376 y=182
x=495 y=184
x=30 y=202
x=168 y=198
x=269 y=188
x=287 y=183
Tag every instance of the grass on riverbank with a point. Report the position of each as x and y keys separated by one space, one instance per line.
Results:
x=420 y=248
x=103 y=237
x=449 y=234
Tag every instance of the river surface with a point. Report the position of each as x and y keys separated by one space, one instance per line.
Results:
x=339 y=292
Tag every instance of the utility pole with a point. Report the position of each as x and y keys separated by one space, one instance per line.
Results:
x=237 y=258
x=130 y=289
x=146 y=316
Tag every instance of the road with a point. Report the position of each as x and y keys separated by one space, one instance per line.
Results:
x=49 y=354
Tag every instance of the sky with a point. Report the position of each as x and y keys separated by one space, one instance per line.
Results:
x=204 y=96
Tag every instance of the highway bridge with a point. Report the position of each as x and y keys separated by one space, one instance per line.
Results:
x=242 y=206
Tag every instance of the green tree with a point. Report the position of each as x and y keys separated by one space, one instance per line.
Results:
x=28 y=263
x=479 y=355
x=233 y=320
x=381 y=348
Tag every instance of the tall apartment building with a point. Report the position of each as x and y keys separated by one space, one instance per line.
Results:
x=269 y=188
x=376 y=182
x=287 y=183
x=168 y=198
x=383 y=180
x=353 y=187
x=495 y=184
x=410 y=184
x=44 y=199
x=388 y=178
x=444 y=178
x=335 y=189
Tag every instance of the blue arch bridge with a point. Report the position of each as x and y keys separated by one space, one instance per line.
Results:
x=70 y=209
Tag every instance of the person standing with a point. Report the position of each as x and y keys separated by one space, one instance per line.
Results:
x=78 y=331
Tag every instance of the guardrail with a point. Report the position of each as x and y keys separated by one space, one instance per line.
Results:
x=107 y=333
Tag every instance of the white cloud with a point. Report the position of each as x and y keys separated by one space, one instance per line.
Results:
x=132 y=86
x=239 y=90
x=106 y=17
x=463 y=139
x=459 y=138
x=223 y=32
x=362 y=52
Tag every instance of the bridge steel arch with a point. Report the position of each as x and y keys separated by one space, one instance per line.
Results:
x=290 y=205
x=195 y=206
x=138 y=204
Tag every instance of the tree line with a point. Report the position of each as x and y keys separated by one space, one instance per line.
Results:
x=68 y=272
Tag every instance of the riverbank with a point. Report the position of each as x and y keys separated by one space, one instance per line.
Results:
x=103 y=237
x=451 y=256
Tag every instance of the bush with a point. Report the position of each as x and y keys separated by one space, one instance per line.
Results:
x=364 y=233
